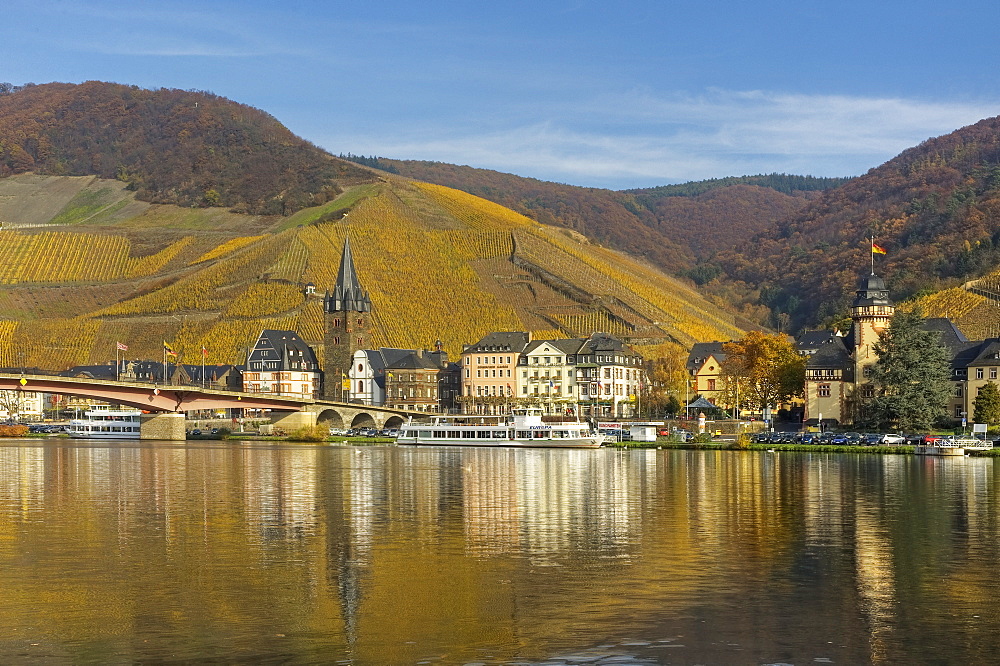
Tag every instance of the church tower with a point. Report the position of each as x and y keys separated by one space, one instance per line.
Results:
x=871 y=311
x=347 y=314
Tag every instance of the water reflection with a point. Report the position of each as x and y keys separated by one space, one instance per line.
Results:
x=163 y=551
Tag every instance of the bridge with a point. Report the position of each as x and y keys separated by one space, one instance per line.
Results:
x=164 y=405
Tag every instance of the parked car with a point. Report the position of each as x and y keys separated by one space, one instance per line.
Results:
x=892 y=439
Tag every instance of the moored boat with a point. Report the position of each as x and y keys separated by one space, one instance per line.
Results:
x=523 y=427
x=106 y=422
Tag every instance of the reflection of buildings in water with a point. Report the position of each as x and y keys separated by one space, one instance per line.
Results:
x=22 y=478
x=547 y=502
x=823 y=512
x=876 y=574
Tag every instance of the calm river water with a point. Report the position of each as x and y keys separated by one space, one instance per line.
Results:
x=225 y=551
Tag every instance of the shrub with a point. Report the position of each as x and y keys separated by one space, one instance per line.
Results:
x=307 y=434
x=13 y=430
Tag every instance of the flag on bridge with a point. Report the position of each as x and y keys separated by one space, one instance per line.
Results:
x=168 y=349
x=121 y=347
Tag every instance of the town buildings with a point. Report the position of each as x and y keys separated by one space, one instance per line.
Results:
x=598 y=375
x=838 y=370
x=410 y=379
x=280 y=363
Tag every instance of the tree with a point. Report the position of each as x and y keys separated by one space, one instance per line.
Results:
x=912 y=377
x=666 y=375
x=765 y=369
x=987 y=404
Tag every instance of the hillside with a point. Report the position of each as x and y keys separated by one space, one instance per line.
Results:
x=674 y=227
x=935 y=208
x=440 y=264
x=168 y=146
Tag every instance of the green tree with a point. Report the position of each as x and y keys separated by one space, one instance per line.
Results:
x=987 y=404
x=912 y=377
x=765 y=369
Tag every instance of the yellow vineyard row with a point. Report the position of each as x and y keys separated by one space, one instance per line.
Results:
x=230 y=245
x=72 y=257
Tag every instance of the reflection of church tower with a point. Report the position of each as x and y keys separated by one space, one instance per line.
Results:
x=871 y=311
x=347 y=314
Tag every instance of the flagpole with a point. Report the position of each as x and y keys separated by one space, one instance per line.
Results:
x=118 y=365
x=873 y=254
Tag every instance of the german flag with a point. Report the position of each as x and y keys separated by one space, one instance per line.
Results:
x=168 y=349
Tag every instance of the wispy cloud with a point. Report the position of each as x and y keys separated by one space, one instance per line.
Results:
x=639 y=138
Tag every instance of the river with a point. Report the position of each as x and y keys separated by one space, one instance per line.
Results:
x=131 y=552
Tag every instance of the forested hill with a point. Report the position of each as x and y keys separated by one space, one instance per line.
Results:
x=935 y=208
x=171 y=146
x=673 y=226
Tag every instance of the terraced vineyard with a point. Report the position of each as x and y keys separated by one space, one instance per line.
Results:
x=438 y=263
x=975 y=315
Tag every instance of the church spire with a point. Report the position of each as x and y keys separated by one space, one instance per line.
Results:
x=348 y=295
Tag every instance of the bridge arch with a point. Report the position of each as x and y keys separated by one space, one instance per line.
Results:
x=331 y=418
x=363 y=420
x=394 y=422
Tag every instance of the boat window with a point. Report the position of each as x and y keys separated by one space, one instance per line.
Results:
x=539 y=434
x=439 y=434
x=523 y=434
x=469 y=434
x=454 y=434
x=499 y=434
x=485 y=434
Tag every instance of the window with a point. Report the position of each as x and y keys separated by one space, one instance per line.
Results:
x=361 y=368
x=979 y=373
x=711 y=385
x=958 y=391
x=823 y=391
x=993 y=373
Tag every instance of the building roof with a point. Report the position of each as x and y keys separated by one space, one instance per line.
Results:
x=700 y=403
x=810 y=341
x=986 y=352
x=700 y=351
x=833 y=355
x=952 y=338
x=501 y=341
x=871 y=291
x=347 y=296
x=284 y=347
x=603 y=342
x=566 y=346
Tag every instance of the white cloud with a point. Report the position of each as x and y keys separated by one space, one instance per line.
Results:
x=640 y=139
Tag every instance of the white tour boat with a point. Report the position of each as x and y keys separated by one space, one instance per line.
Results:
x=522 y=427
x=106 y=422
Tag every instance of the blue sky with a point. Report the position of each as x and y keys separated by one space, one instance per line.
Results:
x=603 y=94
